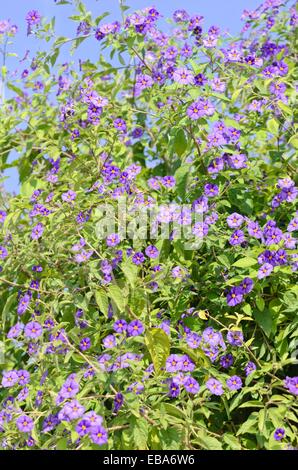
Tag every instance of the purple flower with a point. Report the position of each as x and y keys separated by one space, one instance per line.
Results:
x=178 y=272
x=49 y=423
x=69 y=196
x=212 y=353
x=83 y=427
x=211 y=337
x=168 y=181
x=24 y=377
x=290 y=242
x=293 y=225
x=25 y=423
x=33 y=329
x=85 y=344
x=120 y=125
x=226 y=361
x=291 y=383
x=277 y=88
x=193 y=340
x=235 y=296
x=174 y=388
x=280 y=257
x=289 y=194
x=237 y=238
x=200 y=205
x=99 y=35
x=279 y=434
x=144 y=81
x=3 y=215
x=235 y=220
x=211 y=190
x=186 y=364
x=216 y=166
x=98 y=435
x=33 y=17
x=200 y=80
x=250 y=368
x=235 y=337
x=109 y=341
x=217 y=85
x=265 y=270
x=186 y=50
x=93 y=418
x=69 y=389
x=191 y=385
x=234 y=382
x=71 y=410
x=171 y=52
x=247 y=285
x=199 y=109
x=138 y=258
x=37 y=231
x=254 y=230
x=152 y=252
x=273 y=236
x=118 y=402
x=214 y=386
x=180 y=15
x=23 y=395
x=83 y=256
x=237 y=161
x=120 y=326
x=285 y=183
x=183 y=76
x=136 y=388
x=173 y=363
x=9 y=378
x=135 y=328
x=113 y=239
x=15 y=330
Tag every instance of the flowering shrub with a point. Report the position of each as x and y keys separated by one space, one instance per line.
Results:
x=149 y=264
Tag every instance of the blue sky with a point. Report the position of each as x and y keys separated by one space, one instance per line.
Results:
x=224 y=13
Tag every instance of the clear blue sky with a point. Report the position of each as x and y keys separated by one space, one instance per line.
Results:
x=224 y=13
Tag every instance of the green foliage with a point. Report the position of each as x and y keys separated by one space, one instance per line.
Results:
x=77 y=164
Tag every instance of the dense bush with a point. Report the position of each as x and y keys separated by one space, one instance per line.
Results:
x=174 y=331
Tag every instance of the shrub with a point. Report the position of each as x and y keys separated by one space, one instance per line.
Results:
x=149 y=264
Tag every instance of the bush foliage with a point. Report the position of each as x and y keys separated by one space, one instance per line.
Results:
x=130 y=339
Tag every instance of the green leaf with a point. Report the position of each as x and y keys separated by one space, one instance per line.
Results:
x=102 y=301
x=171 y=439
x=264 y=320
x=116 y=294
x=140 y=433
x=181 y=176
x=158 y=345
x=249 y=425
x=260 y=303
x=206 y=441
x=262 y=417
x=245 y=262
x=173 y=411
x=273 y=126
x=252 y=404
x=246 y=309
x=232 y=441
x=180 y=142
x=294 y=141
x=131 y=272
x=223 y=259
x=285 y=108
x=62 y=444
